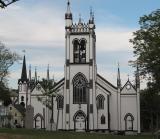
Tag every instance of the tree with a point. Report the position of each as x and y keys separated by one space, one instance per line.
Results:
x=146 y=44
x=7 y=59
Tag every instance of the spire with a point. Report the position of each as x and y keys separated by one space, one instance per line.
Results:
x=68 y=14
x=29 y=72
x=35 y=75
x=24 y=70
x=48 y=73
x=118 y=78
x=68 y=7
x=80 y=19
x=91 y=20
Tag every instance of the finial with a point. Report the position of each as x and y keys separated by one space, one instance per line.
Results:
x=128 y=77
x=48 y=73
x=118 y=77
x=80 y=19
x=68 y=3
x=91 y=12
x=68 y=7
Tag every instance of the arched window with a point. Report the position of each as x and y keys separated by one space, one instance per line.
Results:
x=22 y=98
x=100 y=101
x=59 y=102
x=129 y=122
x=79 y=48
x=103 y=119
x=82 y=51
x=79 y=89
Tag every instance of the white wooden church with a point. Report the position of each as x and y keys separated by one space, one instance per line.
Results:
x=84 y=100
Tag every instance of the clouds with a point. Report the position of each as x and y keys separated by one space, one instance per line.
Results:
x=40 y=30
x=20 y=26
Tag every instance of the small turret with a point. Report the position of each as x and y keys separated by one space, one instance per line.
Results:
x=91 y=20
x=29 y=77
x=35 y=78
x=48 y=73
x=68 y=16
x=118 y=78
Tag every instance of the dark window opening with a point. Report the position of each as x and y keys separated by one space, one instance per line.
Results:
x=103 y=119
x=79 y=51
x=100 y=101
x=79 y=90
x=60 y=102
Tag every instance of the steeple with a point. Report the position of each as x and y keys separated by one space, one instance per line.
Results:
x=48 y=73
x=35 y=79
x=118 y=78
x=24 y=71
x=91 y=20
x=68 y=16
x=29 y=73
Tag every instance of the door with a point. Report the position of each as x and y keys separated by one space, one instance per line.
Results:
x=80 y=122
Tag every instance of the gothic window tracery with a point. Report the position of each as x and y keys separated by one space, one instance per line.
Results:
x=60 y=102
x=100 y=101
x=79 y=90
x=79 y=51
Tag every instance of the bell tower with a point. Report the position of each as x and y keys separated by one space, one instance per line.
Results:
x=23 y=86
x=80 y=67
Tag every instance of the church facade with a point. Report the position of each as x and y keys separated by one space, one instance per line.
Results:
x=84 y=100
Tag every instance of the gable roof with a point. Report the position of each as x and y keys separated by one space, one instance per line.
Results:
x=103 y=88
x=41 y=90
x=128 y=82
x=59 y=84
x=20 y=108
x=106 y=81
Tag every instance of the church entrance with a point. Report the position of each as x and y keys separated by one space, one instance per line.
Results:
x=39 y=121
x=80 y=121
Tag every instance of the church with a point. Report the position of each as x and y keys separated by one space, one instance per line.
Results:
x=83 y=100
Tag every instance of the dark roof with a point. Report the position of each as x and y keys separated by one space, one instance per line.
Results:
x=20 y=108
x=24 y=72
x=103 y=88
x=106 y=81
x=58 y=84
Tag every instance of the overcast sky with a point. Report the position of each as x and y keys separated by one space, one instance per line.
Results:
x=37 y=26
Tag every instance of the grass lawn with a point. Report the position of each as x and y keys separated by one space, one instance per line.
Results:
x=34 y=134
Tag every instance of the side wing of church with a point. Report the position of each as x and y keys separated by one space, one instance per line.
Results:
x=84 y=100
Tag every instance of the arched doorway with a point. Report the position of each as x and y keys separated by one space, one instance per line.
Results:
x=80 y=121
x=39 y=121
x=129 y=122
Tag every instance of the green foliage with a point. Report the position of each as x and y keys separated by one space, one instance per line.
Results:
x=146 y=44
x=7 y=59
x=4 y=94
